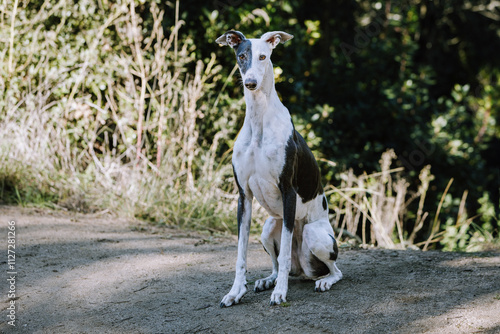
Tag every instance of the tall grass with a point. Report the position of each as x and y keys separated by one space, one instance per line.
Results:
x=385 y=211
x=108 y=118
x=379 y=202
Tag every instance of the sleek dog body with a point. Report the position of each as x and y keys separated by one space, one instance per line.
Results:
x=272 y=163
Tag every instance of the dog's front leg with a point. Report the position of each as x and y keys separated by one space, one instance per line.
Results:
x=244 y=219
x=285 y=257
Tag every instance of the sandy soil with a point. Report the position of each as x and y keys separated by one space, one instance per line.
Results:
x=98 y=274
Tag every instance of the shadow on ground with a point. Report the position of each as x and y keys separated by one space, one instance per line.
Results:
x=84 y=274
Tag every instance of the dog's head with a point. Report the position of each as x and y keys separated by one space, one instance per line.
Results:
x=253 y=55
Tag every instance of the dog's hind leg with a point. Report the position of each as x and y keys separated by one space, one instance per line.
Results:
x=320 y=247
x=271 y=238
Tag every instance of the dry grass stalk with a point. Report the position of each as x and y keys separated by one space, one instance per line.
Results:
x=435 y=225
x=425 y=177
x=381 y=199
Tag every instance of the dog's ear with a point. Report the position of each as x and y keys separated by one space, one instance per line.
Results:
x=275 y=37
x=232 y=38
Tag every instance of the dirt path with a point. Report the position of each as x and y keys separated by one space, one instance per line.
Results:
x=89 y=274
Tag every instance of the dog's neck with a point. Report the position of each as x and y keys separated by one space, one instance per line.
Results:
x=262 y=101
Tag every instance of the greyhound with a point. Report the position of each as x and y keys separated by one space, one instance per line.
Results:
x=271 y=162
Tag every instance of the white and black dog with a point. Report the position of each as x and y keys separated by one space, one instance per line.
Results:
x=272 y=163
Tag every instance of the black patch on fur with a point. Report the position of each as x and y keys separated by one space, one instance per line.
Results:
x=335 y=253
x=300 y=175
x=318 y=267
x=241 y=201
x=308 y=177
x=288 y=183
x=325 y=204
x=244 y=49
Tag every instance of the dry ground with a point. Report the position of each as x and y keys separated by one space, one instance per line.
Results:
x=99 y=274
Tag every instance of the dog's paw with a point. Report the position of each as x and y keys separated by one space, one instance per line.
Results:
x=264 y=283
x=234 y=296
x=326 y=283
x=322 y=285
x=279 y=293
x=277 y=298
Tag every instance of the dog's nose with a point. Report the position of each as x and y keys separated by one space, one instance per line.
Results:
x=251 y=84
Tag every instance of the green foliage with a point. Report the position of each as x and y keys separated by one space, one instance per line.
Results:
x=487 y=212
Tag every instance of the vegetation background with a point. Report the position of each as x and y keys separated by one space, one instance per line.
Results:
x=130 y=106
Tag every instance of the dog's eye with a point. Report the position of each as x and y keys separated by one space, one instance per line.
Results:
x=242 y=57
x=262 y=57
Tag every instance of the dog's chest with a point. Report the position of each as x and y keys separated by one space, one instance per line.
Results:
x=258 y=160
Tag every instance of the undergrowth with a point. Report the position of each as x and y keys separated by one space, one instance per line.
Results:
x=103 y=112
x=385 y=211
x=109 y=118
